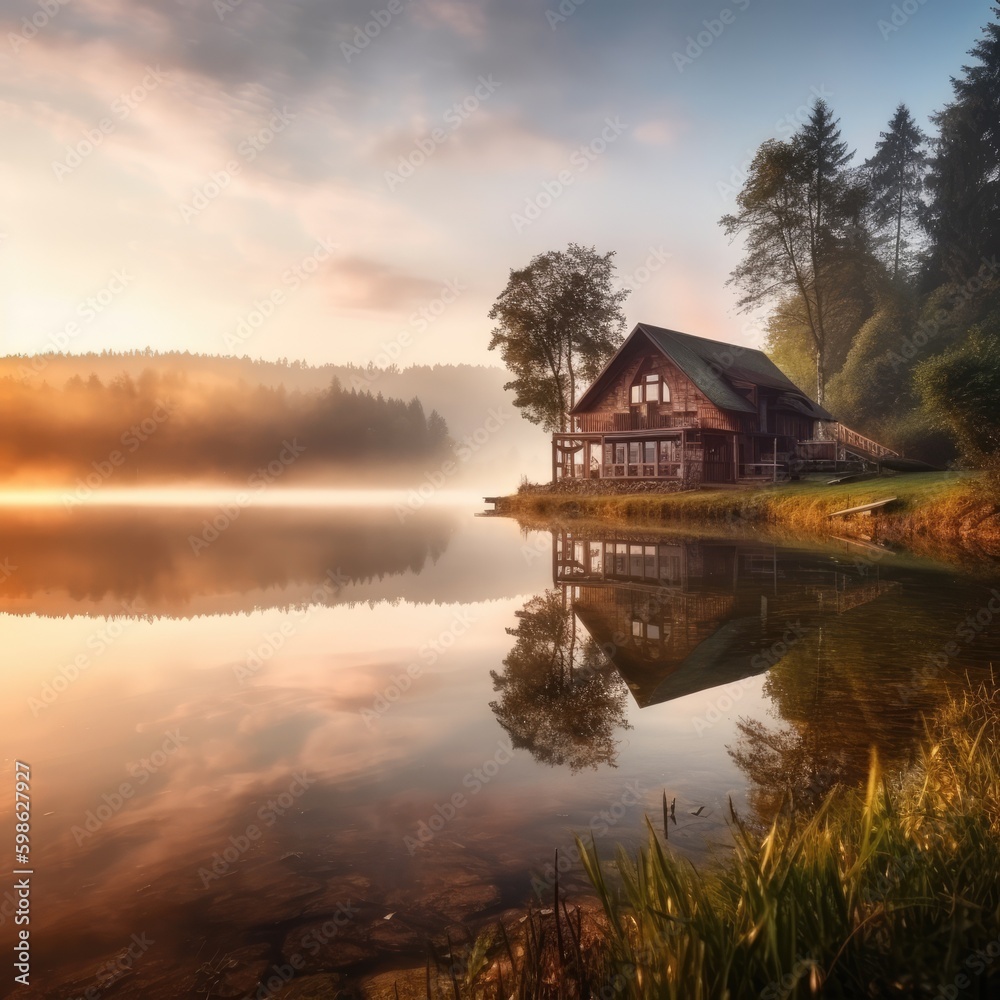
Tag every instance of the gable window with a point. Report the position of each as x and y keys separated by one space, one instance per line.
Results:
x=650 y=389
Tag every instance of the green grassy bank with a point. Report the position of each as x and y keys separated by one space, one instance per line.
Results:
x=937 y=513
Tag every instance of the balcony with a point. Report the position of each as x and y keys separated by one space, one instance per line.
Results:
x=647 y=419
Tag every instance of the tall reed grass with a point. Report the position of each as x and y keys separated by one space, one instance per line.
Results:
x=888 y=891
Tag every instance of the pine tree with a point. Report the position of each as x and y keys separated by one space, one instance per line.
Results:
x=896 y=179
x=964 y=179
x=801 y=215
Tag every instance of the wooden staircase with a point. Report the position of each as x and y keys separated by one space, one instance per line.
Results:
x=851 y=443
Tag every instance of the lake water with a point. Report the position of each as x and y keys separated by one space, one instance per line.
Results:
x=253 y=743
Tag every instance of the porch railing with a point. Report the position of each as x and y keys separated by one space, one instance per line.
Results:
x=638 y=420
x=846 y=438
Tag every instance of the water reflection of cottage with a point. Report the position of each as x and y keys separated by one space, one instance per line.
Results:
x=676 y=616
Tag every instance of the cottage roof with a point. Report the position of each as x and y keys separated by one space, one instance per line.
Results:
x=711 y=365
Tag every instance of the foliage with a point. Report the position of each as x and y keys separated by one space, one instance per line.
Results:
x=558 y=320
x=788 y=343
x=800 y=213
x=961 y=388
x=560 y=697
x=890 y=889
x=963 y=219
x=838 y=257
x=940 y=513
x=895 y=177
x=872 y=383
x=172 y=427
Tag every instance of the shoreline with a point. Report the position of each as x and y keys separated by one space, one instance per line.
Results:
x=945 y=516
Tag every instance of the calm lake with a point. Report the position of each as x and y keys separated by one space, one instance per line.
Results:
x=332 y=734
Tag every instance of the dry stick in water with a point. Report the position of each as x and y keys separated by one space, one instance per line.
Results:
x=451 y=967
x=576 y=936
x=555 y=912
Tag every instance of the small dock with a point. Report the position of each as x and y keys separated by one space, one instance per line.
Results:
x=865 y=508
x=495 y=501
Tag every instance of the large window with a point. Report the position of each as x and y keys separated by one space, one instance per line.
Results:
x=650 y=389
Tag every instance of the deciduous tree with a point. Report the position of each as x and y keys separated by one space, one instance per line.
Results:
x=558 y=322
x=800 y=213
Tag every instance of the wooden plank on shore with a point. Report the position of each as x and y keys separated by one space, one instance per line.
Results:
x=852 y=477
x=865 y=508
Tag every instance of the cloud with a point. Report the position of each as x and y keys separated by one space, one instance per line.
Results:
x=487 y=140
x=366 y=284
x=462 y=17
x=655 y=132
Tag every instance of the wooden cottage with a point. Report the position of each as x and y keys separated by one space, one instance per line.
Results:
x=672 y=406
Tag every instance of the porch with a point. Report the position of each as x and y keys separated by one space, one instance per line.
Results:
x=693 y=454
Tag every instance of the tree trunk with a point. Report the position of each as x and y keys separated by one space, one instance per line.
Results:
x=899 y=229
x=572 y=375
x=820 y=375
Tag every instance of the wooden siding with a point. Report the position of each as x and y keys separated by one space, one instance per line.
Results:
x=688 y=406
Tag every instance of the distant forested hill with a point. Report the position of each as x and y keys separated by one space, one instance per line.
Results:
x=468 y=398
x=175 y=428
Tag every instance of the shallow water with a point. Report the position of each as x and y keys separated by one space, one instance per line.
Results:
x=256 y=744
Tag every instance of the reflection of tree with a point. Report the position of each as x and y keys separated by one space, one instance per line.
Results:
x=791 y=767
x=95 y=553
x=560 y=698
x=840 y=698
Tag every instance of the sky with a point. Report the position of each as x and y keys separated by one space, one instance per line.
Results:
x=353 y=180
